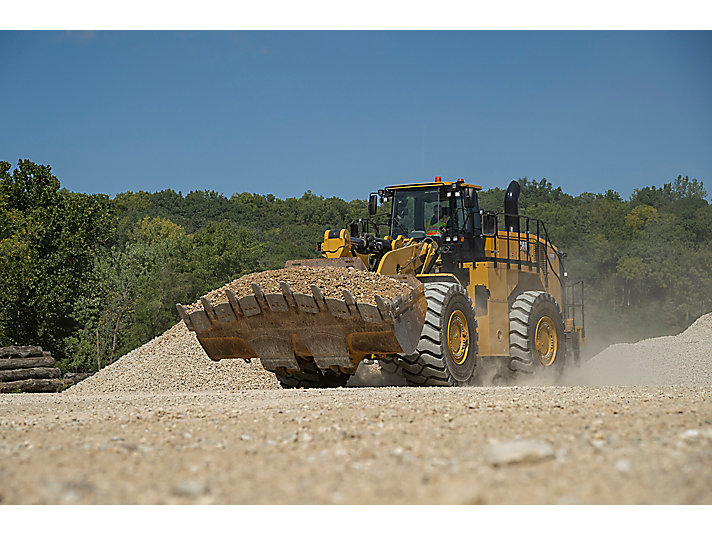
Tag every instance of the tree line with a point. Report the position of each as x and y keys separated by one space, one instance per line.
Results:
x=91 y=277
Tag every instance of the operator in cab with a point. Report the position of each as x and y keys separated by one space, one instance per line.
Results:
x=438 y=221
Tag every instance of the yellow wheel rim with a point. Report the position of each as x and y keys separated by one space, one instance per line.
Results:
x=546 y=341
x=458 y=337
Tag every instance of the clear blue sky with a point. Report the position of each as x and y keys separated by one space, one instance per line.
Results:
x=344 y=113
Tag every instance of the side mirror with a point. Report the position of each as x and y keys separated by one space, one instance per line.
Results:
x=372 y=204
x=489 y=224
x=470 y=198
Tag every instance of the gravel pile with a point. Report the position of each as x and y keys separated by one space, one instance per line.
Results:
x=364 y=285
x=175 y=362
x=682 y=360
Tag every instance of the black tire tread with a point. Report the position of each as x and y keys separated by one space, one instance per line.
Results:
x=426 y=366
x=521 y=358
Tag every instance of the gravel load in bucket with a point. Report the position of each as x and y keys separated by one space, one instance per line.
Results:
x=681 y=360
x=364 y=285
x=175 y=362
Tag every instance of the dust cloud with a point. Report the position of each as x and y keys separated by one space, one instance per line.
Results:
x=681 y=360
x=370 y=374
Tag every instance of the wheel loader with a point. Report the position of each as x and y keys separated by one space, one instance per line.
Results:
x=487 y=289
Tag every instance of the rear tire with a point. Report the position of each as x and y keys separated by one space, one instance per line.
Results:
x=537 y=346
x=310 y=376
x=447 y=351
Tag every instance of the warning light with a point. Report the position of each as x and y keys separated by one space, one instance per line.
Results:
x=438 y=178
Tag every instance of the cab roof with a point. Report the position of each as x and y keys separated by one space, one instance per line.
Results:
x=430 y=184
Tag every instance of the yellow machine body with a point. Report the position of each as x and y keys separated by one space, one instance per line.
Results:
x=516 y=262
x=309 y=340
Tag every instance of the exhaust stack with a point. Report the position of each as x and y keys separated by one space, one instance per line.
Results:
x=511 y=207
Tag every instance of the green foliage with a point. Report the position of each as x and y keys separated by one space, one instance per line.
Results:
x=131 y=294
x=640 y=216
x=48 y=240
x=90 y=278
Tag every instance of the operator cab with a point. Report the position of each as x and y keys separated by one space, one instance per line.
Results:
x=447 y=212
x=419 y=213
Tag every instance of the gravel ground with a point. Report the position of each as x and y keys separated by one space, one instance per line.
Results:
x=361 y=445
x=134 y=433
x=331 y=280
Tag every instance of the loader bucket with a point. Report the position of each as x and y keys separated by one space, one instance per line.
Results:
x=283 y=328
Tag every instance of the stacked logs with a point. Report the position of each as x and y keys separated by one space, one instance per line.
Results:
x=29 y=369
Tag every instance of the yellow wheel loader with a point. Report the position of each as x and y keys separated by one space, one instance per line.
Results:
x=485 y=289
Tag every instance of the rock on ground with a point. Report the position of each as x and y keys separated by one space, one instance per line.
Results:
x=519 y=451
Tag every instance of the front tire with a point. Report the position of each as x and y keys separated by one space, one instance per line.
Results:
x=536 y=336
x=447 y=352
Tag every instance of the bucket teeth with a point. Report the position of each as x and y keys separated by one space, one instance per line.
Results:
x=275 y=352
x=348 y=297
x=288 y=294
x=283 y=329
x=273 y=364
x=318 y=297
x=208 y=307
x=350 y=302
x=186 y=318
x=232 y=299
x=257 y=290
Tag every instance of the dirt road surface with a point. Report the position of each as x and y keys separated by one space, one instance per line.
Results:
x=361 y=445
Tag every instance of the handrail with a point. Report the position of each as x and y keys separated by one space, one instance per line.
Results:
x=572 y=304
x=536 y=232
x=544 y=233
